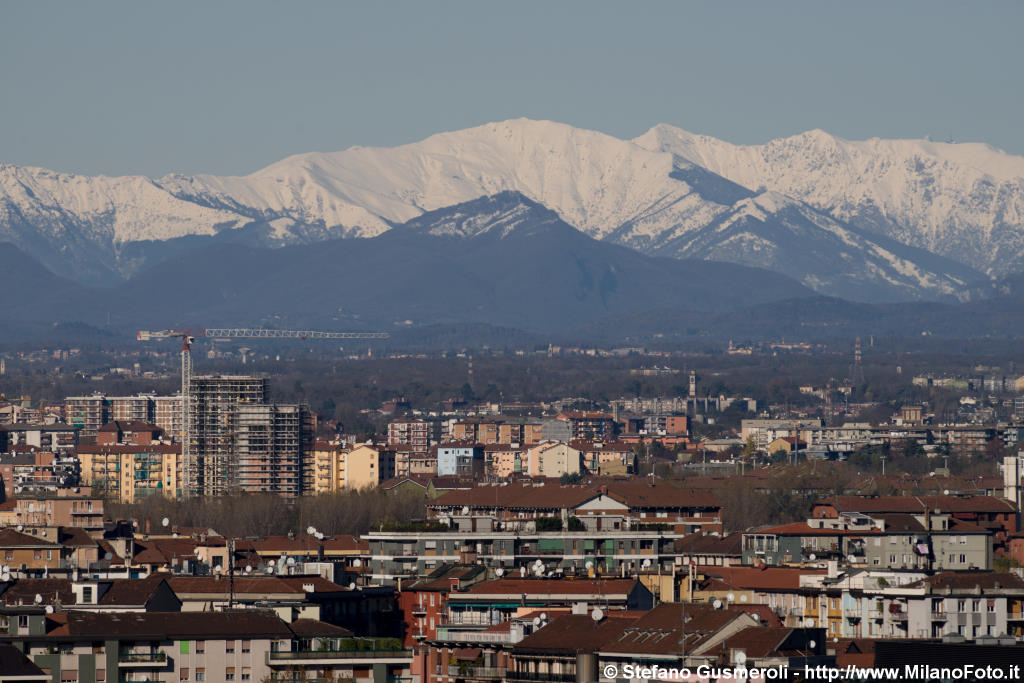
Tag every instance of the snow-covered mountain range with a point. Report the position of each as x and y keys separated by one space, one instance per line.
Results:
x=960 y=200
x=875 y=220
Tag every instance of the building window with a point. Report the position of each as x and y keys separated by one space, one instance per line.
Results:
x=101 y=675
x=246 y=645
x=200 y=649
x=229 y=646
x=229 y=673
x=183 y=674
x=246 y=673
x=200 y=674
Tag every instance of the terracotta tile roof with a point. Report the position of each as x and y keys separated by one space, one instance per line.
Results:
x=706 y=544
x=24 y=591
x=763 y=613
x=121 y=449
x=804 y=529
x=989 y=504
x=311 y=628
x=163 y=625
x=760 y=641
x=163 y=550
x=758 y=578
x=637 y=494
x=572 y=633
x=132 y=591
x=9 y=538
x=14 y=663
x=535 y=587
x=133 y=426
x=971 y=580
x=256 y=585
x=75 y=537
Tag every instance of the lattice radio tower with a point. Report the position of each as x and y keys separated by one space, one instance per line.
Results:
x=857 y=369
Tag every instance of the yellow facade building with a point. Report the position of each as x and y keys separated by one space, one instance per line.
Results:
x=127 y=474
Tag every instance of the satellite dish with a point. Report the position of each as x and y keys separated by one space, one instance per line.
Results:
x=165 y=521
x=319 y=535
x=465 y=509
x=357 y=562
x=175 y=534
x=813 y=557
x=499 y=571
x=536 y=621
x=291 y=561
x=522 y=571
x=271 y=562
x=741 y=658
x=49 y=609
x=38 y=598
x=597 y=614
x=731 y=597
x=646 y=564
x=813 y=644
x=743 y=598
x=589 y=565
x=851 y=559
x=717 y=604
x=945 y=492
x=310 y=530
x=248 y=569
x=809 y=623
x=537 y=562
x=352 y=586
x=21 y=527
x=543 y=616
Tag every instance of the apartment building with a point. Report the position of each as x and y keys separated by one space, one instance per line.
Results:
x=460 y=459
x=927 y=541
x=127 y=473
x=498 y=431
x=553 y=459
x=67 y=508
x=240 y=645
x=413 y=435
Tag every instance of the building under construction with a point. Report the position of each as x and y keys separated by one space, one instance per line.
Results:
x=239 y=442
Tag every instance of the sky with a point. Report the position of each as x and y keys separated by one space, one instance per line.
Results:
x=229 y=87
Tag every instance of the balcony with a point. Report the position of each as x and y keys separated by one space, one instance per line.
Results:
x=344 y=651
x=939 y=616
x=535 y=676
x=473 y=672
x=141 y=659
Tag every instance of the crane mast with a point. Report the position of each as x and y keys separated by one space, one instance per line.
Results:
x=188 y=336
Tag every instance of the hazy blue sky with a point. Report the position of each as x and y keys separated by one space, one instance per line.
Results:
x=228 y=87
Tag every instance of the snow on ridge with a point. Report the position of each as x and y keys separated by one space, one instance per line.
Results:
x=961 y=200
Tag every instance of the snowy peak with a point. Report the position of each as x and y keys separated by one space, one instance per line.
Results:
x=667 y=193
x=960 y=200
x=497 y=216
